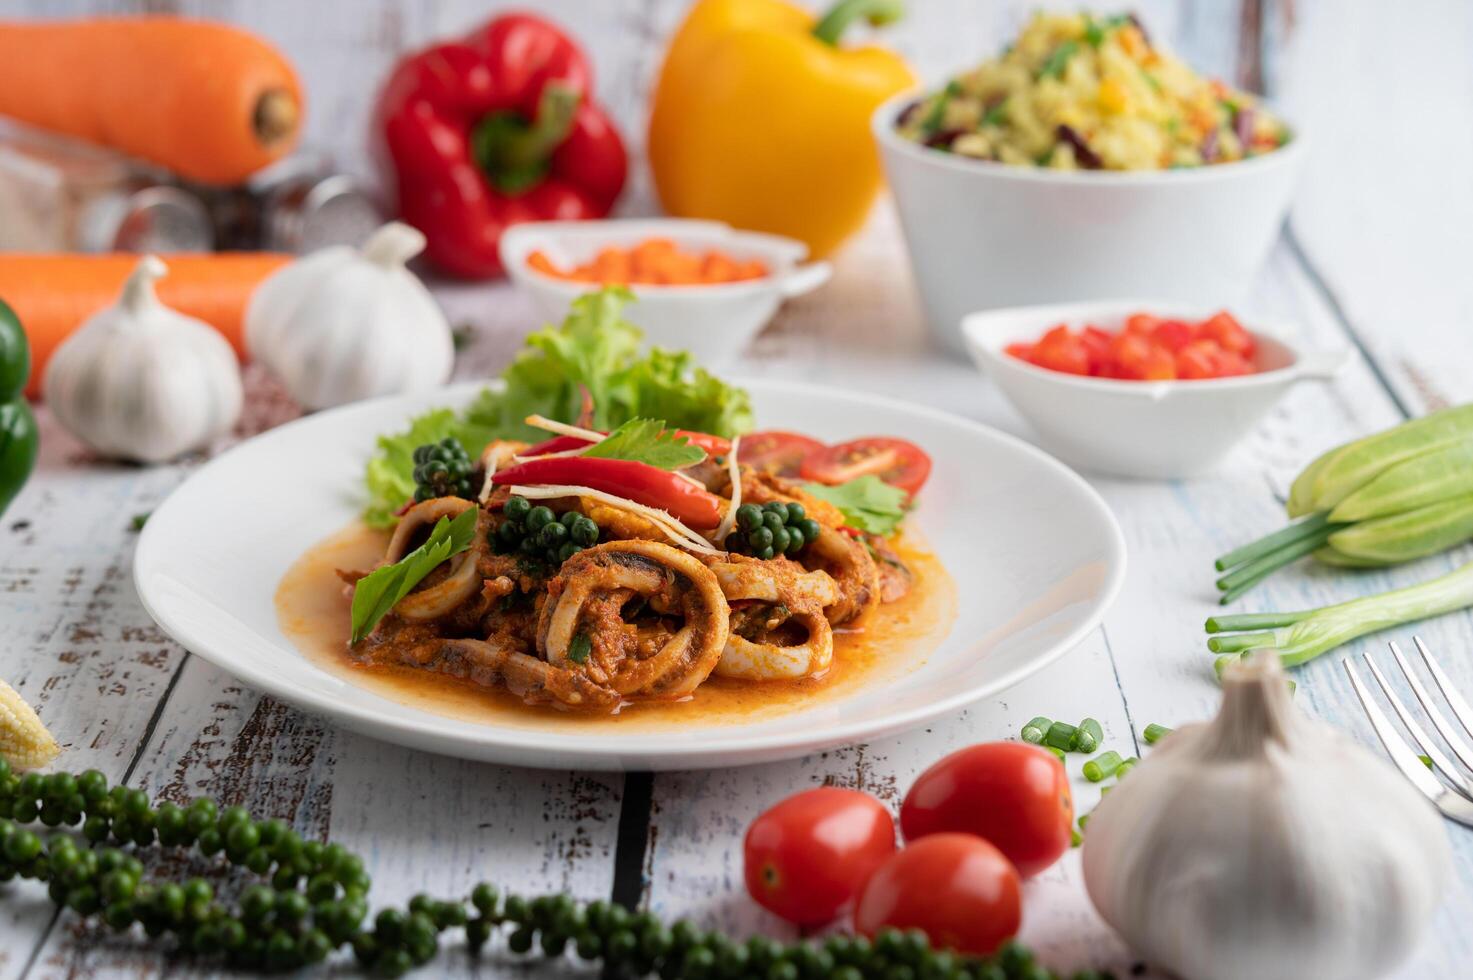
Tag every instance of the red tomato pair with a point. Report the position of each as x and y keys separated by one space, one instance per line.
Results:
x=973 y=823
x=1148 y=348
x=898 y=462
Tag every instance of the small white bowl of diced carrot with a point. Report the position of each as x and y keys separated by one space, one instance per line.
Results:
x=700 y=286
x=1140 y=389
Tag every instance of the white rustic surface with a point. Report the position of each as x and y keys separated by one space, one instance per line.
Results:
x=1376 y=257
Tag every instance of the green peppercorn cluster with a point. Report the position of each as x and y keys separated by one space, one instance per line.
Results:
x=317 y=902
x=772 y=529
x=443 y=469
x=540 y=535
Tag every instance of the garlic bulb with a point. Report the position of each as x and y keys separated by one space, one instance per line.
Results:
x=1265 y=845
x=340 y=325
x=139 y=381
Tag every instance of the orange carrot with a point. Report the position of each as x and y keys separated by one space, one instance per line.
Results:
x=209 y=101
x=53 y=294
x=653 y=262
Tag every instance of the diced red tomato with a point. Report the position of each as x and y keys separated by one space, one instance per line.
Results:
x=1228 y=332
x=1146 y=348
x=898 y=462
x=1172 y=335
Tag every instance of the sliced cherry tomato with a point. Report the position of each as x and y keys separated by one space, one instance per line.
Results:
x=898 y=462
x=640 y=482
x=956 y=888
x=776 y=453
x=806 y=858
x=1012 y=794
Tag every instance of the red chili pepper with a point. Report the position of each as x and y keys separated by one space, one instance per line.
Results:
x=713 y=445
x=640 y=482
x=493 y=130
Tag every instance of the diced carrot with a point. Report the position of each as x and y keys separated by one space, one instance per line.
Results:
x=654 y=261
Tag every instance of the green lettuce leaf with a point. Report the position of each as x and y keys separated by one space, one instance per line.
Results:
x=594 y=348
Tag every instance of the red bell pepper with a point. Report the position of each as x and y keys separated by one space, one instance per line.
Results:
x=639 y=482
x=493 y=130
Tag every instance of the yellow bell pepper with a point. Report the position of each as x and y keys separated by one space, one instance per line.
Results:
x=762 y=120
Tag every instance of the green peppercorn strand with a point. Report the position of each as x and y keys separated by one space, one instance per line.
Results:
x=317 y=902
x=443 y=469
x=772 y=529
x=540 y=535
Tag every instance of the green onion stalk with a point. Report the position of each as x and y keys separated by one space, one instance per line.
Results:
x=1301 y=636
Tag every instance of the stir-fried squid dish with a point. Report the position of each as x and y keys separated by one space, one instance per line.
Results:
x=592 y=571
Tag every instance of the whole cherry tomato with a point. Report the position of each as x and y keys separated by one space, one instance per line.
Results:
x=1012 y=794
x=807 y=857
x=957 y=889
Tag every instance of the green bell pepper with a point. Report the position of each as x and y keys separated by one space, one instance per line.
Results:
x=19 y=439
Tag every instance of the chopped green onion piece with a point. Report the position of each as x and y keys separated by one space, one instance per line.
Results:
x=579 y=648
x=1125 y=767
x=1060 y=735
x=1035 y=730
x=1155 y=733
x=1058 y=753
x=1075 y=838
x=1104 y=790
x=1102 y=766
x=1426 y=760
x=1083 y=821
x=1088 y=737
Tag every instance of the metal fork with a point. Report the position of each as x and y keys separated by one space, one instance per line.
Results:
x=1455 y=800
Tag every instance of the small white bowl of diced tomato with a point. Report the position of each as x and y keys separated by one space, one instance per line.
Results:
x=1140 y=389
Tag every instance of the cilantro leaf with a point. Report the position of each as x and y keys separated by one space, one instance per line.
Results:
x=648 y=441
x=867 y=503
x=380 y=590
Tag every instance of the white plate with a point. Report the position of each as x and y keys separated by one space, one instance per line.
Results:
x=1035 y=554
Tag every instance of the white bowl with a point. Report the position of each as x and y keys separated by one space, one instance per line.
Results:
x=715 y=322
x=1155 y=429
x=985 y=235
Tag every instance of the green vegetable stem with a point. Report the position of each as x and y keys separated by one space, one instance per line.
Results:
x=1302 y=636
x=1388 y=498
x=19 y=439
x=316 y=902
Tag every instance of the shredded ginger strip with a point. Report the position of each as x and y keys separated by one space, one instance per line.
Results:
x=728 y=520
x=563 y=429
x=673 y=529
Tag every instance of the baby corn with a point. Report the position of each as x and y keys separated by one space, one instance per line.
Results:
x=1388 y=498
x=24 y=741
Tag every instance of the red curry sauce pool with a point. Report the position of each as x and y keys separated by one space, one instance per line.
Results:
x=312 y=609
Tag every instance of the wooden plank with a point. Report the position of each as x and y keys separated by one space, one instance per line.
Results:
x=421 y=822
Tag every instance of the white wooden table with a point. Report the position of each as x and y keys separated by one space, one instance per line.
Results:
x=1376 y=257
